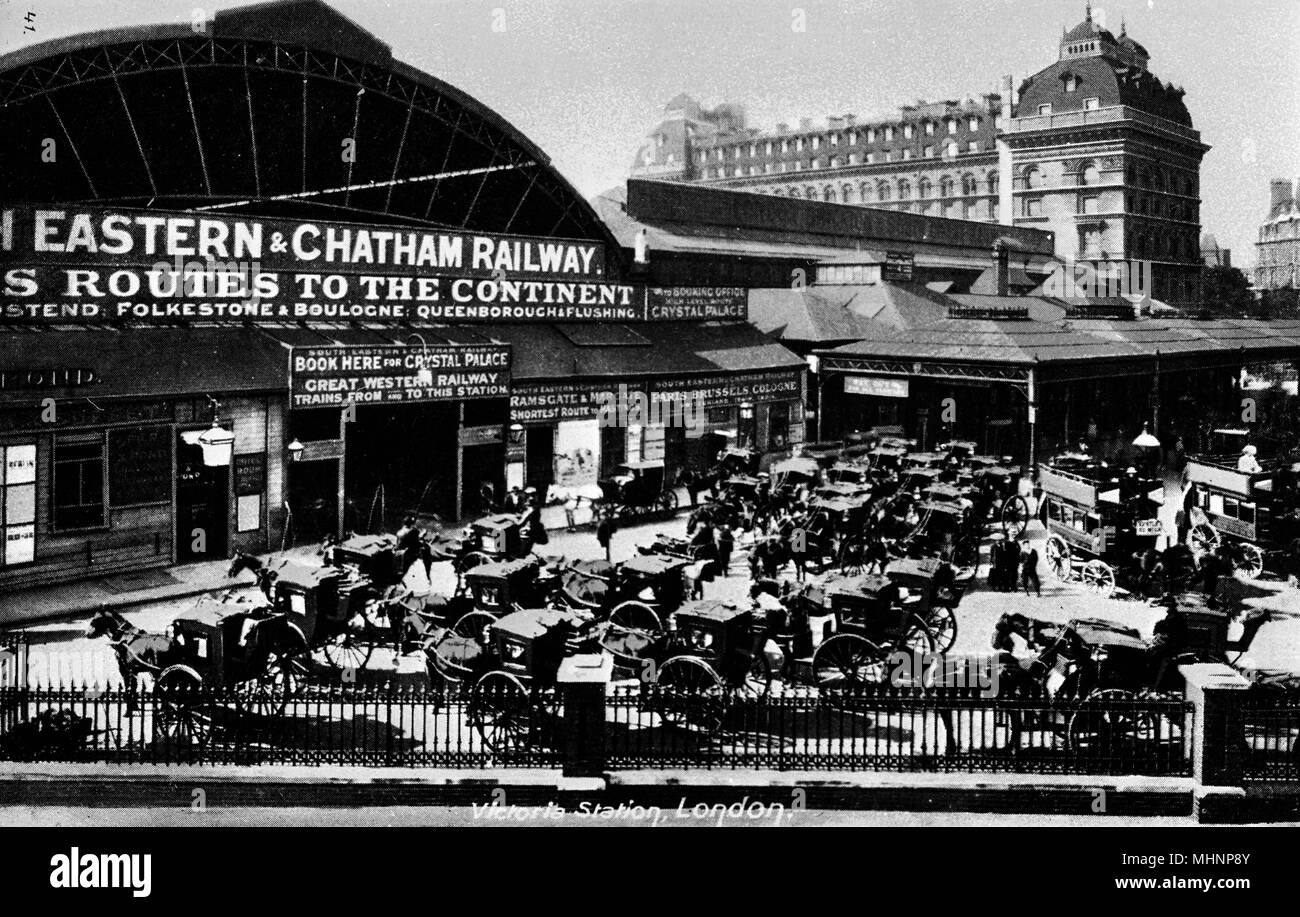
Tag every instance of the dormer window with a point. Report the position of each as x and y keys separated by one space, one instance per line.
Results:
x=1045 y=109
x=1092 y=104
x=1071 y=83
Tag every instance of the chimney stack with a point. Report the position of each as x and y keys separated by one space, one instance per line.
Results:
x=1002 y=268
x=1281 y=193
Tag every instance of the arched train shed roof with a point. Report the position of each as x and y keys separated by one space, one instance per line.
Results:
x=251 y=117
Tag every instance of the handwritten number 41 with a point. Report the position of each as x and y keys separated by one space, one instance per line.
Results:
x=30 y=18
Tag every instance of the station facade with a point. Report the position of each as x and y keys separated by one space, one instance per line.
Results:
x=271 y=284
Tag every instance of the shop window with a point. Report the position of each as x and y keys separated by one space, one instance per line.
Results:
x=1033 y=206
x=746 y=427
x=17 y=504
x=778 y=425
x=80 y=464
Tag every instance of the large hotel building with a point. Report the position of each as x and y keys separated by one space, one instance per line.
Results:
x=1095 y=149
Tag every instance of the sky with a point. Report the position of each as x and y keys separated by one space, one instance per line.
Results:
x=587 y=79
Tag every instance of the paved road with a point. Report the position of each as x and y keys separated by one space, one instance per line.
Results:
x=439 y=816
x=61 y=652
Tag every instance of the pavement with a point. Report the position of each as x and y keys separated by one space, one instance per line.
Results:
x=84 y=597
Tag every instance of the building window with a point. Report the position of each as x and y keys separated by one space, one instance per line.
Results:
x=924 y=187
x=882 y=192
x=717 y=154
x=871 y=135
x=889 y=155
x=79 y=476
x=828 y=194
x=929 y=152
x=889 y=132
x=952 y=125
x=785 y=146
x=950 y=150
x=907 y=153
x=973 y=124
x=767 y=148
x=908 y=131
x=853 y=159
x=865 y=191
x=853 y=138
x=1090 y=175
x=798 y=166
x=1045 y=109
x=846 y=194
x=1033 y=207
x=816 y=163
x=817 y=143
x=1090 y=204
x=904 y=189
x=929 y=128
x=945 y=187
x=871 y=157
x=835 y=139
x=767 y=168
x=968 y=185
x=17 y=504
x=1071 y=83
x=993 y=183
x=973 y=146
x=834 y=162
x=1033 y=177
x=781 y=167
x=1092 y=104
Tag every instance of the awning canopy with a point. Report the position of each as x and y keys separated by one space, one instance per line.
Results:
x=139 y=363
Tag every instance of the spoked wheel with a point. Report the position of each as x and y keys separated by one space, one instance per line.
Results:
x=1098 y=577
x=1058 y=558
x=1202 y=539
x=283 y=675
x=1107 y=723
x=348 y=651
x=180 y=716
x=853 y=557
x=847 y=661
x=941 y=621
x=1015 y=517
x=1249 y=560
x=691 y=694
x=503 y=712
x=668 y=501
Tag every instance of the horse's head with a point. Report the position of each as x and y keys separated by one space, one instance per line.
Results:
x=105 y=623
x=241 y=562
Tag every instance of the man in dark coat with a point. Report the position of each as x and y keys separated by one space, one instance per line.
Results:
x=1029 y=568
x=605 y=534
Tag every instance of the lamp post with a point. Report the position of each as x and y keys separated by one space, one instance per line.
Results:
x=218 y=443
x=424 y=375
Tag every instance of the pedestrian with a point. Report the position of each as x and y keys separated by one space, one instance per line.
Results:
x=1029 y=568
x=1010 y=567
x=726 y=544
x=571 y=507
x=877 y=555
x=996 y=563
x=409 y=542
x=605 y=534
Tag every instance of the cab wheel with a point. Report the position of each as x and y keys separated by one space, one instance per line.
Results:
x=690 y=693
x=1249 y=561
x=942 y=623
x=1015 y=517
x=179 y=715
x=848 y=661
x=502 y=711
x=1058 y=558
x=1202 y=539
x=668 y=501
x=348 y=651
x=1098 y=577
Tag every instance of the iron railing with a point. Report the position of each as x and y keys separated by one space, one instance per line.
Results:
x=645 y=726
x=1271 y=729
x=342 y=725
x=890 y=730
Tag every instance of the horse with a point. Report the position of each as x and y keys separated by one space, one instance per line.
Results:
x=138 y=651
x=265 y=576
